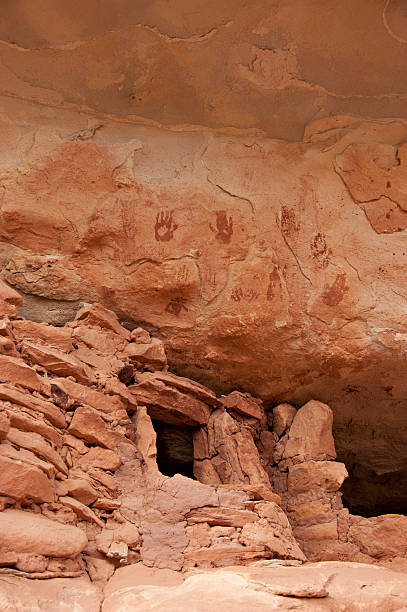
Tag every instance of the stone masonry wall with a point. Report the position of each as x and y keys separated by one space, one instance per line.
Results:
x=80 y=490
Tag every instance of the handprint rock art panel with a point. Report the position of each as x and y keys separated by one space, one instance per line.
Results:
x=165 y=226
x=176 y=306
x=249 y=294
x=224 y=227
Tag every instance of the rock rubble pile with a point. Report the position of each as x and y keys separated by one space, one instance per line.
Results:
x=81 y=407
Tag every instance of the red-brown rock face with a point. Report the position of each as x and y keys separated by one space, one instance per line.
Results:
x=267 y=65
x=109 y=460
x=203 y=325
x=263 y=264
x=209 y=174
x=158 y=468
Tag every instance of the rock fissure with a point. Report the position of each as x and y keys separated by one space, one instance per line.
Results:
x=289 y=247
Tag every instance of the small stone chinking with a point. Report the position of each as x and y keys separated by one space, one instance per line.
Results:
x=81 y=492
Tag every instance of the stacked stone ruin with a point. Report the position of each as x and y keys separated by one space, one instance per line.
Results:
x=80 y=489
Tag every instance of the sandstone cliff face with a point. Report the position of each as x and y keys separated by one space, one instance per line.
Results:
x=215 y=181
x=225 y=182
x=270 y=265
x=268 y=65
x=83 y=490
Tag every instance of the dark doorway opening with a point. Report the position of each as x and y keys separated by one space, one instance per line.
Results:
x=175 y=449
x=367 y=493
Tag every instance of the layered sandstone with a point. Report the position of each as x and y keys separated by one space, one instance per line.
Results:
x=266 y=265
x=232 y=179
x=78 y=453
x=83 y=410
x=204 y=209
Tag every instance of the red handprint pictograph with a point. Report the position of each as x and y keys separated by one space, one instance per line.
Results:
x=237 y=294
x=165 y=226
x=251 y=295
x=224 y=227
x=248 y=295
x=320 y=251
x=176 y=306
x=288 y=222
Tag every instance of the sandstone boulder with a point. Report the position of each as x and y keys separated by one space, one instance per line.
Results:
x=232 y=452
x=326 y=475
x=189 y=386
x=73 y=392
x=96 y=314
x=168 y=404
x=24 y=482
x=310 y=434
x=276 y=538
x=243 y=404
x=33 y=533
x=88 y=425
x=380 y=537
x=84 y=513
x=151 y=354
x=57 y=337
x=15 y=371
x=57 y=361
x=81 y=490
x=283 y=416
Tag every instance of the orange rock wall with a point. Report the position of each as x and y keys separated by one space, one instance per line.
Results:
x=231 y=177
x=81 y=488
x=271 y=66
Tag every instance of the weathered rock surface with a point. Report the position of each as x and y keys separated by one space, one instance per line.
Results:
x=381 y=536
x=20 y=480
x=264 y=247
x=216 y=264
x=327 y=475
x=217 y=184
x=310 y=434
x=331 y=587
x=81 y=454
x=32 y=533
x=18 y=593
x=226 y=64
x=81 y=490
x=321 y=586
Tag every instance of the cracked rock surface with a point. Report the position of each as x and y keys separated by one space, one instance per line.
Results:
x=256 y=65
x=231 y=177
x=325 y=587
x=270 y=265
x=90 y=498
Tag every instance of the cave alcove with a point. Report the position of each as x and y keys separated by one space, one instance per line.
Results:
x=368 y=493
x=175 y=449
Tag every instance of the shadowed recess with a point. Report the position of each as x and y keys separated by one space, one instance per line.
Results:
x=175 y=451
